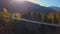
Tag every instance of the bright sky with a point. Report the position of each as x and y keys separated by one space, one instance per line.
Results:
x=43 y=2
x=47 y=2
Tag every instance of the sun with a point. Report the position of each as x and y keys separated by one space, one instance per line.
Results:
x=30 y=0
x=21 y=0
x=18 y=1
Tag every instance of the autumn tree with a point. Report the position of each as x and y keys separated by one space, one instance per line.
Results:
x=16 y=17
x=50 y=17
x=5 y=15
x=0 y=16
x=57 y=14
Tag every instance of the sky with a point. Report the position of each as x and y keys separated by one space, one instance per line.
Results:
x=47 y=3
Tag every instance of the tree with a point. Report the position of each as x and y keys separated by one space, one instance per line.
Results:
x=50 y=17
x=58 y=17
x=43 y=17
x=6 y=20
x=35 y=16
x=5 y=15
x=27 y=15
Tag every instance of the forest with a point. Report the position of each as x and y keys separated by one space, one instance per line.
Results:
x=52 y=17
x=6 y=20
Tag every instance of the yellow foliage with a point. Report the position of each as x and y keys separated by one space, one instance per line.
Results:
x=5 y=11
x=54 y=16
x=5 y=15
x=17 y=15
x=58 y=17
x=51 y=16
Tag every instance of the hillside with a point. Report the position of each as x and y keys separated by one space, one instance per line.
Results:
x=28 y=6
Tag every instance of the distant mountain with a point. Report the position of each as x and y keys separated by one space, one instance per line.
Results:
x=55 y=8
x=15 y=7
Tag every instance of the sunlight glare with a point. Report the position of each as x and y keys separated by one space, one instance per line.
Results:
x=20 y=0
